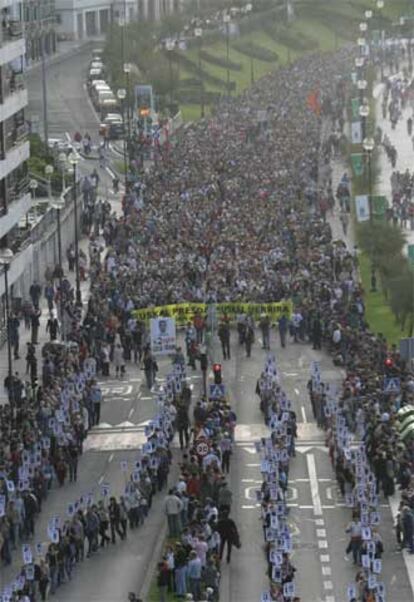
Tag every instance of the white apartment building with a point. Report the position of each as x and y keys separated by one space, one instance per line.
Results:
x=15 y=200
x=80 y=19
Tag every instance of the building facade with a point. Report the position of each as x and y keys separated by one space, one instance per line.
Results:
x=80 y=19
x=40 y=28
x=15 y=200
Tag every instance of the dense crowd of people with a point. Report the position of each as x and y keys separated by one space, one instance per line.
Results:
x=235 y=213
x=96 y=519
x=198 y=507
x=275 y=453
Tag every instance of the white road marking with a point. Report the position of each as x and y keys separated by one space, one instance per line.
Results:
x=296 y=391
x=131 y=411
x=330 y=599
x=316 y=500
x=321 y=533
x=408 y=558
x=251 y=450
x=319 y=522
x=111 y=457
x=101 y=478
x=146 y=398
x=302 y=409
x=252 y=465
x=326 y=571
x=327 y=585
x=325 y=558
x=322 y=544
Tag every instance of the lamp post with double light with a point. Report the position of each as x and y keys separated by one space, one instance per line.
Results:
x=362 y=85
x=74 y=160
x=6 y=257
x=58 y=205
x=169 y=47
x=62 y=159
x=49 y=169
x=249 y=8
x=127 y=71
x=364 y=113
x=368 y=145
x=226 y=21
x=121 y=94
x=380 y=6
x=198 y=33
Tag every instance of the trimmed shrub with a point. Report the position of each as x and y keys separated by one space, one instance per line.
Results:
x=255 y=51
x=220 y=61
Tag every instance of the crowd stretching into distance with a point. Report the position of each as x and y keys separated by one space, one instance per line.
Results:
x=233 y=212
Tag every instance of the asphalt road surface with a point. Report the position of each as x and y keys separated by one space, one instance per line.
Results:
x=318 y=516
x=69 y=108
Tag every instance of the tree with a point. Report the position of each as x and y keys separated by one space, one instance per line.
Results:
x=380 y=240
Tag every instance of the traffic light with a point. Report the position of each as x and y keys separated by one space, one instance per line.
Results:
x=217 y=374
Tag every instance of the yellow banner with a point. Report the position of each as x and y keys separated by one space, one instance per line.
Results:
x=184 y=312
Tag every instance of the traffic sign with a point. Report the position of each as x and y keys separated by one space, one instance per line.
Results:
x=217 y=391
x=392 y=385
x=202 y=448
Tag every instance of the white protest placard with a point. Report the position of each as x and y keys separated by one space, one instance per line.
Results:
x=27 y=554
x=377 y=566
x=163 y=335
x=351 y=592
x=289 y=589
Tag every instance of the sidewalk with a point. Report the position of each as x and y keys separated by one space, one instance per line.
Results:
x=403 y=143
x=65 y=50
x=105 y=191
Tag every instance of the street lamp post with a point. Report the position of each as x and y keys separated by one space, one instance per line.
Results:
x=362 y=85
x=73 y=160
x=6 y=257
x=380 y=6
x=361 y=43
x=58 y=204
x=121 y=94
x=249 y=8
x=364 y=113
x=62 y=158
x=33 y=187
x=169 y=46
x=127 y=71
x=49 y=172
x=226 y=21
x=198 y=33
x=368 y=146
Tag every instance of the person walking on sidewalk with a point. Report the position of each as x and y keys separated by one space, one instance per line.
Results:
x=35 y=291
x=52 y=327
x=35 y=323
x=14 y=335
x=224 y=336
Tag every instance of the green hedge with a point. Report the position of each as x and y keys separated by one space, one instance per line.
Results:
x=255 y=51
x=194 y=96
x=220 y=61
x=291 y=39
x=192 y=67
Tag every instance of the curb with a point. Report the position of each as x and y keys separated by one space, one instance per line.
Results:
x=155 y=558
x=59 y=57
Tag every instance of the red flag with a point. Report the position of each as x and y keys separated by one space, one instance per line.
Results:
x=313 y=101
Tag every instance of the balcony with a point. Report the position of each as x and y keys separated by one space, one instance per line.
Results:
x=19 y=204
x=15 y=154
x=12 y=42
x=14 y=99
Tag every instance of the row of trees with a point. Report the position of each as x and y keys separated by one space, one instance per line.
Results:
x=384 y=244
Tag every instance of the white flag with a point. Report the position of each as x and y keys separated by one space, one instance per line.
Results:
x=362 y=207
x=356 y=132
